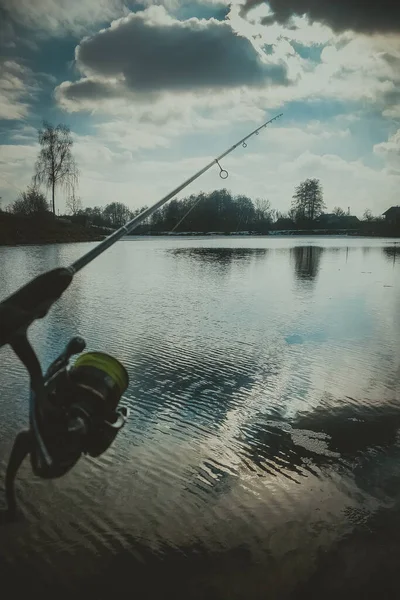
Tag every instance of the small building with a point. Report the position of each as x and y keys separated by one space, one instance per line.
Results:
x=330 y=220
x=392 y=215
x=326 y=218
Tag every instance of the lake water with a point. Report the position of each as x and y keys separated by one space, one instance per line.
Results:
x=262 y=455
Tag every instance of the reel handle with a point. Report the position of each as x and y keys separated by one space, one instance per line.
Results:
x=76 y=345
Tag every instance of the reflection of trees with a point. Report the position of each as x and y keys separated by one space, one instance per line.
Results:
x=306 y=261
x=392 y=253
x=220 y=259
x=220 y=255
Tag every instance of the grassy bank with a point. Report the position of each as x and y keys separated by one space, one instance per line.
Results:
x=16 y=230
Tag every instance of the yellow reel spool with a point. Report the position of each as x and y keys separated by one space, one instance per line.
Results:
x=108 y=364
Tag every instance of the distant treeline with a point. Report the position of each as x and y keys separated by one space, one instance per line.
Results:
x=220 y=211
x=217 y=211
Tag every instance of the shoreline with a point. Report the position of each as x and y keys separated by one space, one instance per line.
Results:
x=34 y=231
x=25 y=231
x=289 y=233
x=38 y=242
x=90 y=236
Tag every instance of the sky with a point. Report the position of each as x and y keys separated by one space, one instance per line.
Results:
x=152 y=91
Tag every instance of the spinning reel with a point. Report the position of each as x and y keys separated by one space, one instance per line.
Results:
x=73 y=409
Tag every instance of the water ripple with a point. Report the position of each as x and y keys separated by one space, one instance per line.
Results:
x=264 y=421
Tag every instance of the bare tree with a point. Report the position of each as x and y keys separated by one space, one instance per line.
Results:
x=338 y=212
x=117 y=214
x=263 y=210
x=30 y=203
x=55 y=165
x=308 y=199
x=74 y=203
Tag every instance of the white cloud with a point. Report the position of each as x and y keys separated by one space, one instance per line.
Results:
x=24 y=133
x=79 y=17
x=348 y=183
x=19 y=87
x=130 y=137
x=16 y=169
x=59 y=16
x=352 y=67
x=314 y=134
x=393 y=111
x=357 y=70
x=300 y=30
x=390 y=150
x=15 y=89
x=164 y=122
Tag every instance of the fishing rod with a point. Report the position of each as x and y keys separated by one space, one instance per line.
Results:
x=125 y=229
x=73 y=410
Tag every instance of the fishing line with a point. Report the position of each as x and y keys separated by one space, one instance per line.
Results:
x=199 y=199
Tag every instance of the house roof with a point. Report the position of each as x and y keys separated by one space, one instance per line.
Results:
x=333 y=217
x=393 y=210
